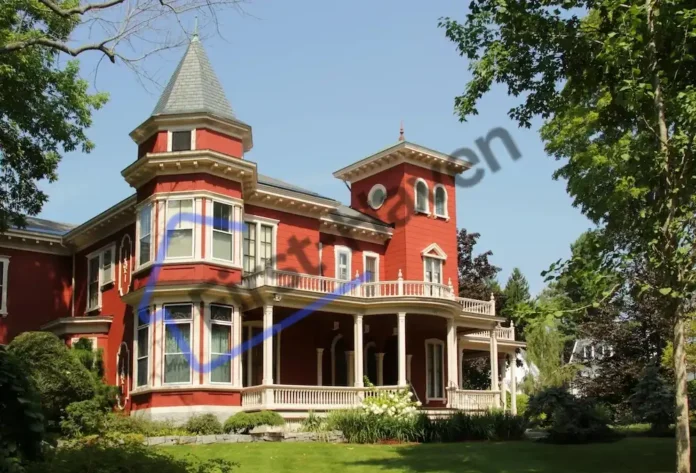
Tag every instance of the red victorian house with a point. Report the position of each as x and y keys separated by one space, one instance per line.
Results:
x=209 y=255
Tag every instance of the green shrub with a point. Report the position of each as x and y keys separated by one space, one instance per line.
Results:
x=652 y=400
x=119 y=455
x=569 y=419
x=204 y=424
x=359 y=426
x=313 y=423
x=243 y=422
x=462 y=427
x=83 y=418
x=21 y=421
x=126 y=425
x=59 y=376
x=522 y=401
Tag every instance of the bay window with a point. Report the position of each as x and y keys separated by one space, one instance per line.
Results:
x=220 y=343
x=223 y=234
x=179 y=223
x=145 y=238
x=434 y=362
x=142 y=348
x=178 y=322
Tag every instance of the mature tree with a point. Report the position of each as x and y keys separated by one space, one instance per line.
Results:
x=476 y=274
x=45 y=107
x=516 y=293
x=614 y=83
x=689 y=350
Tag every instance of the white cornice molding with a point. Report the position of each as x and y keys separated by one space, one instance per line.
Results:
x=106 y=223
x=403 y=152
x=354 y=232
x=190 y=162
x=290 y=202
x=78 y=325
x=434 y=247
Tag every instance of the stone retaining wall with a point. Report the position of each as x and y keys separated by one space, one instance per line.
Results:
x=265 y=436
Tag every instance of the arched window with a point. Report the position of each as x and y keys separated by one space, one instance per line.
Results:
x=421 y=196
x=440 y=199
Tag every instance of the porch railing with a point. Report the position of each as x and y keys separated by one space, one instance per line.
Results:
x=370 y=290
x=476 y=306
x=307 y=397
x=473 y=400
x=502 y=333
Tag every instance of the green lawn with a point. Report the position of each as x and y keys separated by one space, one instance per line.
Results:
x=635 y=455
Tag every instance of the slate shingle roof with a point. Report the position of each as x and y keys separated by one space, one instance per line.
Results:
x=194 y=87
x=48 y=227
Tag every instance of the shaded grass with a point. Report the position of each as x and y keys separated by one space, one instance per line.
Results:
x=635 y=455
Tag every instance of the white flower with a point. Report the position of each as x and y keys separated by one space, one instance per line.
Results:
x=418 y=404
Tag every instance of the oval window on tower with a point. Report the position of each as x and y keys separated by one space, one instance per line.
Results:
x=377 y=196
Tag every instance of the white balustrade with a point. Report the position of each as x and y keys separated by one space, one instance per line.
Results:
x=308 y=397
x=253 y=397
x=478 y=401
x=502 y=333
x=476 y=306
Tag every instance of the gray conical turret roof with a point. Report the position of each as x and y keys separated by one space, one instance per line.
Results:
x=194 y=87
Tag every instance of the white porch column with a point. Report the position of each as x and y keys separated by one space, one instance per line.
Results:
x=452 y=378
x=320 y=366
x=236 y=343
x=380 y=369
x=459 y=364
x=493 y=356
x=267 y=344
x=401 y=332
x=358 y=350
x=350 y=364
x=513 y=384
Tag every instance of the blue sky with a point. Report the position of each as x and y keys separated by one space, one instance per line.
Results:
x=324 y=84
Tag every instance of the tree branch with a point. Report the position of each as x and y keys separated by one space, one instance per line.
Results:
x=10 y=47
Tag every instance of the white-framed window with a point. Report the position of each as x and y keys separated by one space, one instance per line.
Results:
x=440 y=200
x=142 y=348
x=100 y=272
x=178 y=325
x=183 y=139
x=221 y=343
x=421 y=191
x=434 y=369
x=432 y=268
x=370 y=272
x=4 y=272
x=259 y=237
x=223 y=231
x=343 y=262
x=377 y=196
x=145 y=234
x=180 y=225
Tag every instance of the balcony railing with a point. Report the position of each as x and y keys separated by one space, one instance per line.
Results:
x=477 y=401
x=502 y=333
x=308 y=397
x=476 y=306
x=370 y=290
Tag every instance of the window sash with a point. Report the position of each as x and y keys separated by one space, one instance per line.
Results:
x=220 y=352
x=266 y=247
x=249 y=246
x=181 y=140
x=143 y=342
x=107 y=275
x=421 y=197
x=223 y=239
x=370 y=269
x=145 y=228
x=343 y=270
x=440 y=201
x=93 y=282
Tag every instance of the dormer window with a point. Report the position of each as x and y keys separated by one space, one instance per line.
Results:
x=181 y=140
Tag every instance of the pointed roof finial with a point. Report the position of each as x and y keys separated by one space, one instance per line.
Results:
x=195 y=30
x=401 y=132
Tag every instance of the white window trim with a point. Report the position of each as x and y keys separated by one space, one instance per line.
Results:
x=435 y=341
x=152 y=204
x=192 y=344
x=258 y=221
x=209 y=322
x=434 y=247
x=338 y=249
x=446 y=214
x=374 y=189
x=4 y=279
x=371 y=254
x=100 y=281
x=173 y=129
x=193 y=229
x=427 y=197
x=237 y=234
x=442 y=267
x=136 y=353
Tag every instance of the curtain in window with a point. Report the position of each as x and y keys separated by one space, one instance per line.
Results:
x=177 y=345
x=220 y=347
x=180 y=224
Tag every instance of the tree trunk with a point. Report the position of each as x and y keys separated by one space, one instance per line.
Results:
x=682 y=400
